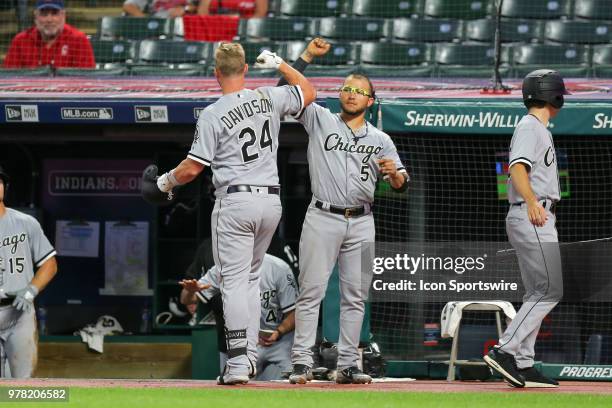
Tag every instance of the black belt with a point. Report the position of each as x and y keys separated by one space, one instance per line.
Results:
x=347 y=212
x=242 y=188
x=552 y=208
x=6 y=301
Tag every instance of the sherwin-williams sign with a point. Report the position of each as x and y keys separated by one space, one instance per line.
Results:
x=472 y=117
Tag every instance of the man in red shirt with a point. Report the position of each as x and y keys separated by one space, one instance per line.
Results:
x=50 y=42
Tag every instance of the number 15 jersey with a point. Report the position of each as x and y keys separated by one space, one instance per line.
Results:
x=238 y=134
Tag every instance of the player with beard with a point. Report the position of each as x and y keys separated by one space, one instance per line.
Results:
x=346 y=156
x=51 y=42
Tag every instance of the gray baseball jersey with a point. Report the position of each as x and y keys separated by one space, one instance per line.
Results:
x=238 y=134
x=537 y=248
x=343 y=164
x=532 y=144
x=277 y=286
x=23 y=248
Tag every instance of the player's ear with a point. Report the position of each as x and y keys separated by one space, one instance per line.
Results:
x=371 y=101
x=246 y=68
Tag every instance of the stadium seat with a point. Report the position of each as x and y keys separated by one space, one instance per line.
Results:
x=174 y=52
x=312 y=8
x=567 y=59
x=112 y=70
x=579 y=32
x=464 y=60
x=113 y=51
x=384 y=8
x=483 y=30
x=355 y=29
x=393 y=59
x=463 y=9
x=542 y=9
x=602 y=61
x=593 y=9
x=134 y=28
x=34 y=72
x=275 y=29
x=168 y=71
x=425 y=30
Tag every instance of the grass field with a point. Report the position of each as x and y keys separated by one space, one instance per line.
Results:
x=228 y=398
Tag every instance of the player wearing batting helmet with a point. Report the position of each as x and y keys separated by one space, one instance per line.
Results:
x=533 y=192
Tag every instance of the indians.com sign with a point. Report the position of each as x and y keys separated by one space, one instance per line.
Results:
x=94 y=183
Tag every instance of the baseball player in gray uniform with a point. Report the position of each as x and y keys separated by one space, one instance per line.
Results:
x=238 y=137
x=276 y=320
x=23 y=249
x=533 y=192
x=346 y=154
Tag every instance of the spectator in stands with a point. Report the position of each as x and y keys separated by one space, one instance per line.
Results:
x=243 y=8
x=50 y=42
x=158 y=8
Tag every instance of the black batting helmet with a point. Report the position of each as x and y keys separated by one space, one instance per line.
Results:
x=5 y=178
x=544 y=85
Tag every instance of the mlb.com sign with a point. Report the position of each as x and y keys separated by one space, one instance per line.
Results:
x=21 y=113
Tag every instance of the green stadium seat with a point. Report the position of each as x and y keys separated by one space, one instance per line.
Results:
x=253 y=49
x=393 y=59
x=579 y=32
x=112 y=70
x=174 y=52
x=463 y=9
x=275 y=29
x=30 y=72
x=385 y=8
x=425 y=30
x=541 y=9
x=113 y=51
x=602 y=61
x=312 y=8
x=463 y=54
x=464 y=60
x=134 y=28
x=483 y=30
x=569 y=60
x=166 y=71
x=593 y=9
x=351 y=29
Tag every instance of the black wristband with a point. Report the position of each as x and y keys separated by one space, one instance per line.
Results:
x=299 y=65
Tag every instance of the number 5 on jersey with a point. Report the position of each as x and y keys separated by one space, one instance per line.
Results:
x=265 y=140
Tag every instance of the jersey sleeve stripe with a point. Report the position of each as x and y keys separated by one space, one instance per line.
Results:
x=300 y=95
x=521 y=160
x=199 y=159
x=288 y=308
x=45 y=258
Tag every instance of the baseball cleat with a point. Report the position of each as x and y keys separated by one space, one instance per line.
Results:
x=229 y=379
x=301 y=374
x=505 y=364
x=352 y=375
x=535 y=379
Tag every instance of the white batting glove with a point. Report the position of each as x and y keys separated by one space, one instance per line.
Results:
x=24 y=298
x=166 y=182
x=268 y=59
